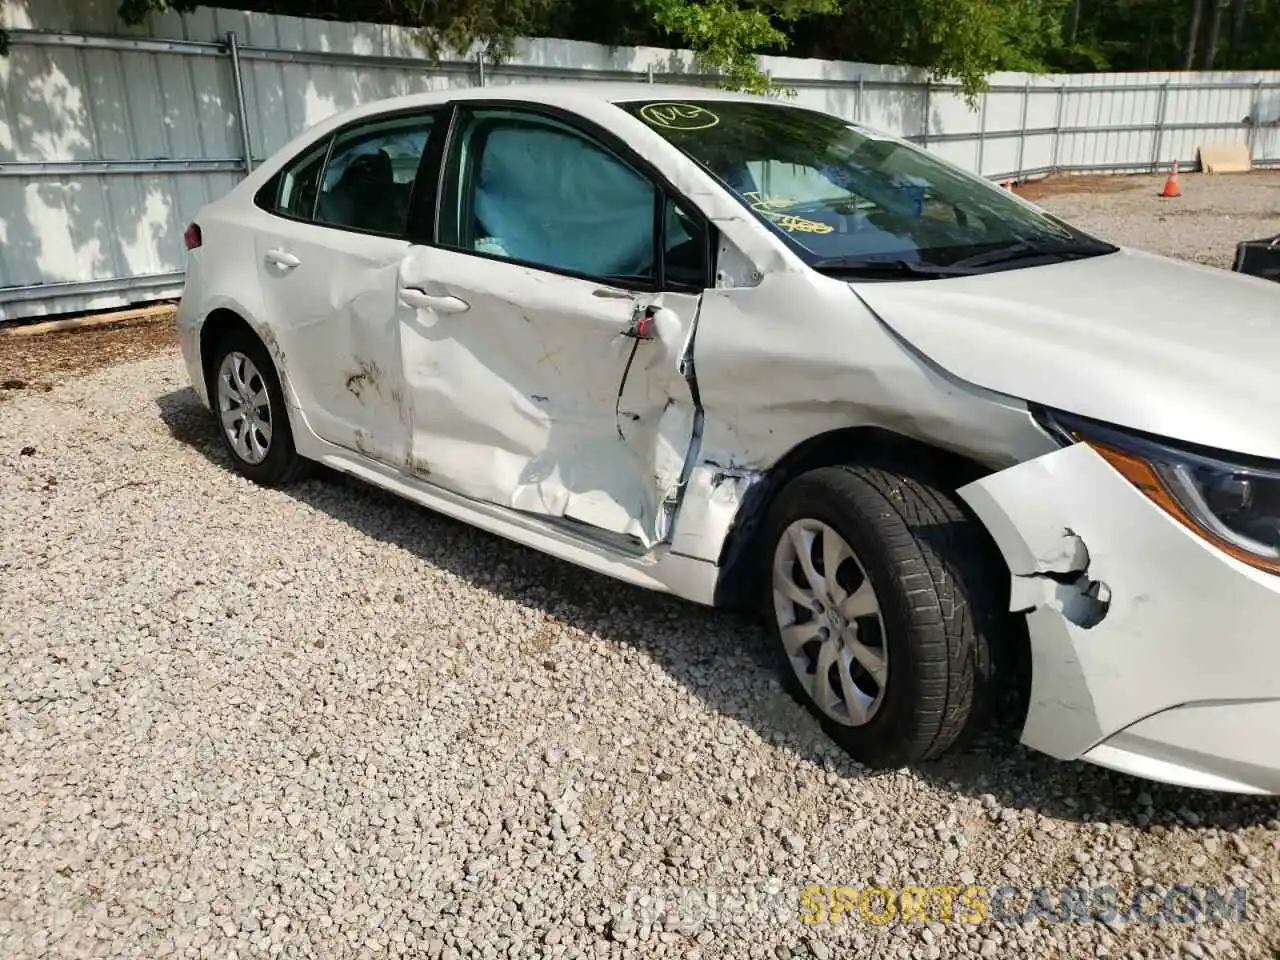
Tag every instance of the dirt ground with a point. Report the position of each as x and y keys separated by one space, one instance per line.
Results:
x=1037 y=190
x=37 y=362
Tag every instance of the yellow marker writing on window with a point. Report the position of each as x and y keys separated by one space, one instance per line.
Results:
x=678 y=116
x=765 y=204
x=793 y=224
x=770 y=206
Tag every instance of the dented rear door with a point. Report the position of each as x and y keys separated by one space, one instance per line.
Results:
x=334 y=310
x=329 y=261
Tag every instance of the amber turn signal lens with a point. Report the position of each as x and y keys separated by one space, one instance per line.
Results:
x=1141 y=474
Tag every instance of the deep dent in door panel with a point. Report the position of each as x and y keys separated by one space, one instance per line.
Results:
x=525 y=413
x=335 y=317
x=365 y=300
x=657 y=408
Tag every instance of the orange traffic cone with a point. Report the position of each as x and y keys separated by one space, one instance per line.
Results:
x=1171 y=188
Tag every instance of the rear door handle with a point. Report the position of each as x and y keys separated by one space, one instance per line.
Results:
x=413 y=297
x=281 y=259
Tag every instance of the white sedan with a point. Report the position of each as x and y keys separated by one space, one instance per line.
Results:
x=750 y=353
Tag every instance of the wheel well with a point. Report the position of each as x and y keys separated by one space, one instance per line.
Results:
x=872 y=446
x=216 y=326
x=866 y=445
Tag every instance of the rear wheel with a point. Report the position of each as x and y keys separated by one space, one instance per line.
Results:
x=885 y=610
x=246 y=396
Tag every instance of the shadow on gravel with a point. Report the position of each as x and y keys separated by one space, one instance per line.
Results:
x=724 y=658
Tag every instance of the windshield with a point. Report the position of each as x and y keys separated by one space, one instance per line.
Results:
x=844 y=196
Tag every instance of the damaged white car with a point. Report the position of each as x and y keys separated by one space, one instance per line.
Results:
x=745 y=352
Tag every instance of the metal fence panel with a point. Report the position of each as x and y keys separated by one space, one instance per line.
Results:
x=112 y=137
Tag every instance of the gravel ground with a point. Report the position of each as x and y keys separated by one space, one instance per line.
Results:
x=326 y=723
x=1213 y=214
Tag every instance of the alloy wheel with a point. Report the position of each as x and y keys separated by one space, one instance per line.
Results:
x=830 y=621
x=244 y=406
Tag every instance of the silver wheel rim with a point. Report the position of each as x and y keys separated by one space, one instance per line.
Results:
x=245 y=407
x=830 y=622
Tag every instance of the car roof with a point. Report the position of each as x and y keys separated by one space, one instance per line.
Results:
x=567 y=93
x=609 y=91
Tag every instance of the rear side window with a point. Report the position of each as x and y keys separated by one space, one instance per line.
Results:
x=364 y=181
x=297 y=197
x=368 y=181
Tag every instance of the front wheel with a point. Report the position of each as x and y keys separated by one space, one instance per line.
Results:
x=885 y=609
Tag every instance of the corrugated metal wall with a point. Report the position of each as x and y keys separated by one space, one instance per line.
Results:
x=112 y=137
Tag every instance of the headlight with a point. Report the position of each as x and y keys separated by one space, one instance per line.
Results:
x=1234 y=504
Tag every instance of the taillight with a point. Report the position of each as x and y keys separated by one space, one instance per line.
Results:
x=192 y=237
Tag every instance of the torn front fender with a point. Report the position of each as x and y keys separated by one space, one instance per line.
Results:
x=1129 y=612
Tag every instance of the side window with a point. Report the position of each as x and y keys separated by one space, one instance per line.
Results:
x=368 y=181
x=535 y=190
x=292 y=192
x=685 y=250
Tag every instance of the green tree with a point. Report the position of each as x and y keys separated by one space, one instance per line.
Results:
x=1174 y=35
x=725 y=35
x=962 y=40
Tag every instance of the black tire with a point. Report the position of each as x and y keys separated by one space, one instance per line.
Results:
x=940 y=601
x=282 y=464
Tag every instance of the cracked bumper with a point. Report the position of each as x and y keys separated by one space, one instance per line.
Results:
x=1152 y=652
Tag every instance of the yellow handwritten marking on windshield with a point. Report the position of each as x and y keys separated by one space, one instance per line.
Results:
x=678 y=116
x=770 y=206
x=764 y=204
x=799 y=224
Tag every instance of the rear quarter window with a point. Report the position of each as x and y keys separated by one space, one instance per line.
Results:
x=292 y=192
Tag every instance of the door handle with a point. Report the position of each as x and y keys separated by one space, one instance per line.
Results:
x=413 y=297
x=281 y=259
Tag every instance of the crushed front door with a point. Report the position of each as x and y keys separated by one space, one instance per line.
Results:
x=549 y=394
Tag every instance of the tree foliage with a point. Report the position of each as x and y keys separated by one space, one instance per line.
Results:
x=1174 y=35
x=964 y=40
x=726 y=35
x=954 y=39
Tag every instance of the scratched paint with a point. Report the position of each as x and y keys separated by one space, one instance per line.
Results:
x=367 y=375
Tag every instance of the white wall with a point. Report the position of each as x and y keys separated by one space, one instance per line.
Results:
x=74 y=239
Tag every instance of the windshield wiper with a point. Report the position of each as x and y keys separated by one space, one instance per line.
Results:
x=871 y=268
x=1037 y=249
